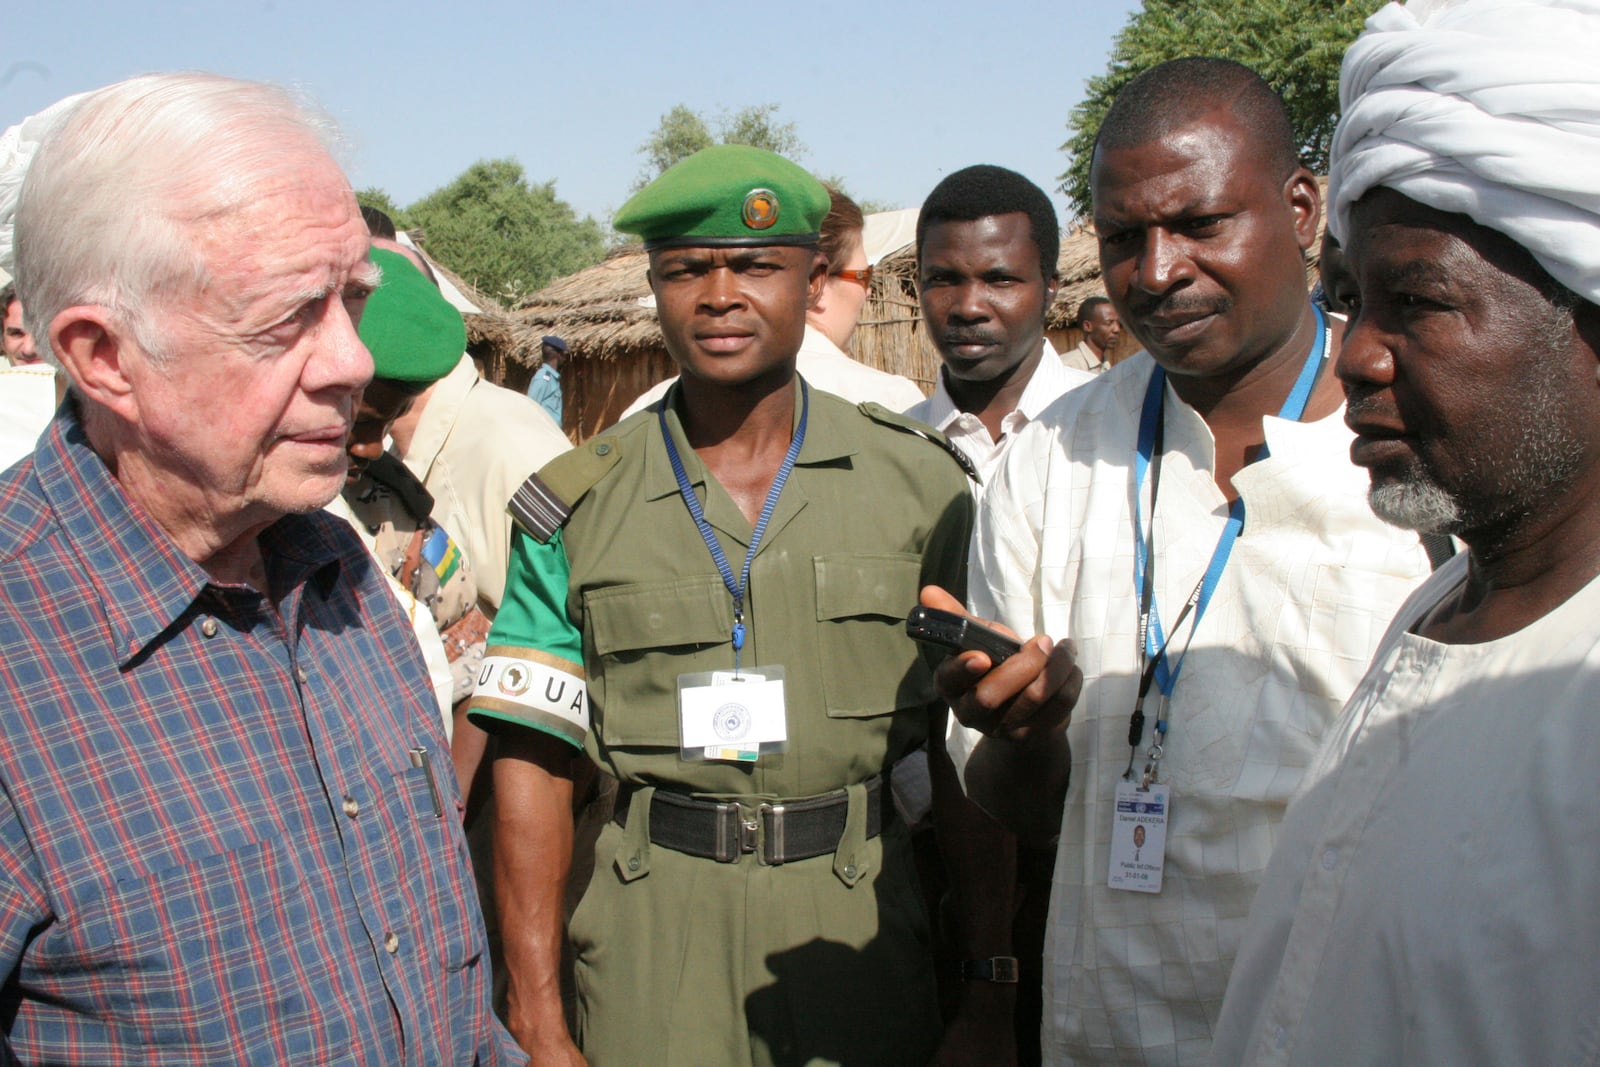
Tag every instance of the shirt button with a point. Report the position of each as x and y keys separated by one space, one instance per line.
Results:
x=849 y=870
x=1281 y=1036
x=602 y=449
x=391 y=942
x=352 y=808
x=300 y=673
x=1330 y=859
x=208 y=626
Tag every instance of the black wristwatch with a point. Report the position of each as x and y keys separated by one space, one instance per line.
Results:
x=993 y=969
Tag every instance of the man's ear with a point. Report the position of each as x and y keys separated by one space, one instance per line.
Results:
x=1304 y=199
x=97 y=352
x=1052 y=285
x=817 y=279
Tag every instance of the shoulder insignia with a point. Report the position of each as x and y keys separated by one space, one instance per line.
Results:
x=544 y=503
x=905 y=424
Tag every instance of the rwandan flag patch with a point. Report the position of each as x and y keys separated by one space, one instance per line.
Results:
x=442 y=554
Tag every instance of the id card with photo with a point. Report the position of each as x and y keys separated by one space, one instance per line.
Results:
x=1139 y=837
x=735 y=717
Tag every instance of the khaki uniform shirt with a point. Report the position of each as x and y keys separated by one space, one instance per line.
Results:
x=684 y=960
x=474 y=444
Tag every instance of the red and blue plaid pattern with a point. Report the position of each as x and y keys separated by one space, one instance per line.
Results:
x=229 y=827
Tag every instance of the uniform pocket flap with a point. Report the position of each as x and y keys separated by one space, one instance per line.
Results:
x=657 y=615
x=854 y=584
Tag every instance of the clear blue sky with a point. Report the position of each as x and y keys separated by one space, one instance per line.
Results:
x=889 y=96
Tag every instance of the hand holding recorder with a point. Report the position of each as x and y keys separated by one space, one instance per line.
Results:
x=1002 y=687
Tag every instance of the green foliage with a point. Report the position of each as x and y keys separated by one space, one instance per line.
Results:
x=375 y=197
x=1296 y=45
x=505 y=236
x=681 y=134
x=756 y=126
x=684 y=132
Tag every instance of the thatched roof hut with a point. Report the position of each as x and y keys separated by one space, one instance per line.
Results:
x=607 y=317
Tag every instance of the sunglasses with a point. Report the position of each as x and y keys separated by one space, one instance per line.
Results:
x=861 y=277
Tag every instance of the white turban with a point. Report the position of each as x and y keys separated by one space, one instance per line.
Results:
x=1487 y=108
x=17 y=146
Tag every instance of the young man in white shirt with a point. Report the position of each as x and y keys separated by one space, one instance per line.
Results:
x=987 y=242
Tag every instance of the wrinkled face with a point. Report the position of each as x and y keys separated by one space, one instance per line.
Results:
x=382 y=402
x=1473 y=400
x=256 y=399
x=733 y=315
x=17 y=342
x=842 y=298
x=1103 y=327
x=1201 y=245
x=984 y=294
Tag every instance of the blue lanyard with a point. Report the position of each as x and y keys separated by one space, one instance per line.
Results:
x=1152 y=641
x=742 y=586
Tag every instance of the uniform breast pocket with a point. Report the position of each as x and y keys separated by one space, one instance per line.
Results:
x=644 y=635
x=869 y=665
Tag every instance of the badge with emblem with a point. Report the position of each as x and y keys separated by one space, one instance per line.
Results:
x=728 y=716
x=761 y=209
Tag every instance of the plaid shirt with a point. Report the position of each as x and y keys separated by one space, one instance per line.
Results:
x=228 y=833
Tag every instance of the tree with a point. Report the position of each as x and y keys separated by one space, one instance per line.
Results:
x=683 y=132
x=506 y=237
x=1296 y=45
x=375 y=197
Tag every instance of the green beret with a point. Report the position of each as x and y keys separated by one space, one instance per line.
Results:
x=728 y=194
x=411 y=330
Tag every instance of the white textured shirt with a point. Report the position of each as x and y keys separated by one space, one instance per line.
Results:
x=825 y=366
x=1312 y=582
x=1051 y=378
x=1432 y=900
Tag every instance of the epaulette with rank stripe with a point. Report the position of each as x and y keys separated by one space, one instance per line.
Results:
x=543 y=503
x=905 y=424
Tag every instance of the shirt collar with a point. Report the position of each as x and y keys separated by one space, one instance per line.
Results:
x=828 y=440
x=143 y=581
x=1049 y=381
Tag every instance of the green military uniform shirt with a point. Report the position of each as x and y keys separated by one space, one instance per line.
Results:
x=683 y=960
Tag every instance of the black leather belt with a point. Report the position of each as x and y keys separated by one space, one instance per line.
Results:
x=778 y=832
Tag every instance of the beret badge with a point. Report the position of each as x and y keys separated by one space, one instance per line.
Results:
x=761 y=209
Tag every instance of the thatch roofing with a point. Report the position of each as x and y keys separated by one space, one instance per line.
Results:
x=603 y=312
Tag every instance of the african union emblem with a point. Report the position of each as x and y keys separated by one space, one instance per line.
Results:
x=515 y=680
x=731 y=722
x=761 y=209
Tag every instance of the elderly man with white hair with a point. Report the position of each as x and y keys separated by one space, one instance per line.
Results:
x=1432 y=896
x=228 y=828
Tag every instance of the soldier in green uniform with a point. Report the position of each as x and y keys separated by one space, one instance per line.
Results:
x=709 y=600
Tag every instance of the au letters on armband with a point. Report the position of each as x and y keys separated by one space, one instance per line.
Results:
x=541 y=690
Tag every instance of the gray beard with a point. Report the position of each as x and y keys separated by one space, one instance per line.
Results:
x=1418 y=504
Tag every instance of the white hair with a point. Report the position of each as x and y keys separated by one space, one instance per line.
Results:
x=108 y=210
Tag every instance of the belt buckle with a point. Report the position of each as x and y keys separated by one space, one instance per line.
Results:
x=749 y=835
x=772 y=850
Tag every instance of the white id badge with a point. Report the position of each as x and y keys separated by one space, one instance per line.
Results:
x=723 y=716
x=1139 y=837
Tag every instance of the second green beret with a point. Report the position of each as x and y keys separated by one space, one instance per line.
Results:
x=727 y=194
x=411 y=330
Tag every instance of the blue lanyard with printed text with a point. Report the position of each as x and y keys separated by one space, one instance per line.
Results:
x=1153 y=643
x=742 y=586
